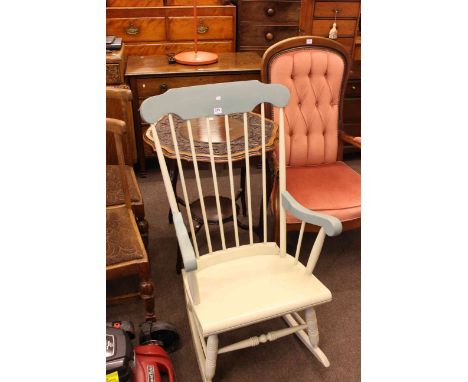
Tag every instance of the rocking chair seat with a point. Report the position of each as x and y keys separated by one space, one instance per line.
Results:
x=252 y=289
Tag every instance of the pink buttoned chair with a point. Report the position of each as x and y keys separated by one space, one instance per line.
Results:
x=315 y=70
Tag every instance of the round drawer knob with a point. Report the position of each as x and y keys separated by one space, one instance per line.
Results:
x=353 y=87
x=270 y=12
x=269 y=36
x=162 y=88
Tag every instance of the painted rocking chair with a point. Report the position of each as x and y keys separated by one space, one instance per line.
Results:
x=239 y=286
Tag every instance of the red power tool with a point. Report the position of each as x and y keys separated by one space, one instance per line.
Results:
x=143 y=363
x=150 y=362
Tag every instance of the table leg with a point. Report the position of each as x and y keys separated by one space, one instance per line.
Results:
x=242 y=191
x=269 y=186
x=138 y=131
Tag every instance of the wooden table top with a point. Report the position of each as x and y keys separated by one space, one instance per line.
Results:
x=217 y=128
x=157 y=66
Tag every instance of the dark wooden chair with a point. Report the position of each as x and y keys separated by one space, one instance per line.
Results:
x=315 y=70
x=125 y=252
x=118 y=106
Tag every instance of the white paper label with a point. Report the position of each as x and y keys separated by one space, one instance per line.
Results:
x=218 y=110
x=309 y=41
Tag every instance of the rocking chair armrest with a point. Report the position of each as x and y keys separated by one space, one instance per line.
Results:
x=185 y=245
x=330 y=224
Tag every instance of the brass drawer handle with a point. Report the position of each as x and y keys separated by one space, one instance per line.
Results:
x=269 y=36
x=270 y=12
x=132 y=30
x=162 y=88
x=202 y=28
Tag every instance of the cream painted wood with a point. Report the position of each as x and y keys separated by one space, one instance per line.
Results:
x=197 y=339
x=184 y=187
x=264 y=196
x=304 y=337
x=312 y=328
x=231 y=179
x=315 y=252
x=164 y=172
x=211 y=355
x=246 y=284
x=247 y=177
x=255 y=341
x=235 y=253
x=282 y=182
x=253 y=288
x=299 y=242
x=215 y=183
x=199 y=187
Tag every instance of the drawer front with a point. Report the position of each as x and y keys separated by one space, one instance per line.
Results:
x=352 y=110
x=344 y=9
x=353 y=89
x=209 y=28
x=154 y=86
x=344 y=27
x=270 y=11
x=348 y=43
x=134 y=3
x=137 y=29
x=264 y=35
x=150 y=49
x=190 y=2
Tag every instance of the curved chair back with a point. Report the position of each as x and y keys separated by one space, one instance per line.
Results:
x=315 y=71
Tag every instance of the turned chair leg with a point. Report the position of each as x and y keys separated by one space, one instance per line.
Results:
x=312 y=327
x=313 y=335
x=143 y=227
x=211 y=355
x=146 y=289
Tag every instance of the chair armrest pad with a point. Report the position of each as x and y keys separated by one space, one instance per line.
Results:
x=330 y=224
x=185 y=245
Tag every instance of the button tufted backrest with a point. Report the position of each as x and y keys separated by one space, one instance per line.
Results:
x=314 y=78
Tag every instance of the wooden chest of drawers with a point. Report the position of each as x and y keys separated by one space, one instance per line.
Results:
x=151 y=30
x=264 y=23
x=317 y=17
x=115 y=66
x=352 y=103
x=152 y=75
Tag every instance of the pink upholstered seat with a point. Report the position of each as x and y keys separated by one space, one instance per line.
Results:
x=332 y=188
x=315 y=76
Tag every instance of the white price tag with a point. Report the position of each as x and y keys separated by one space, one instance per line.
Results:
x=309 y=41
x=218 y=110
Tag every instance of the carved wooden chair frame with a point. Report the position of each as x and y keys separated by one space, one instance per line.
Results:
x=301 y=43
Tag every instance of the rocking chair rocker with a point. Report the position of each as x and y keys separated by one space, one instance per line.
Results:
x=239 y=286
